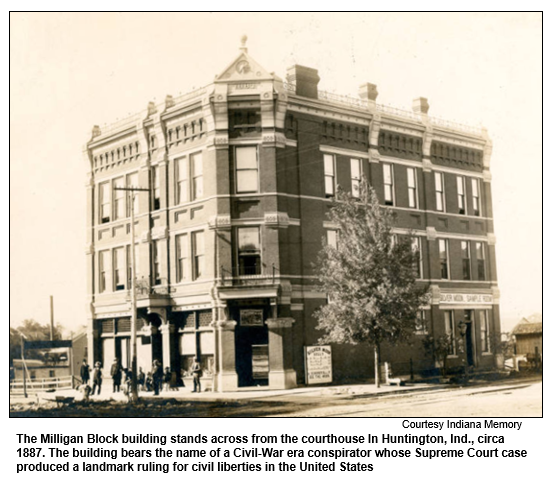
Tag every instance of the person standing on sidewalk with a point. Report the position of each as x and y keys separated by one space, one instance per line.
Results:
x=157 y=377
x=85 y=372
x=97 y=378
x=116 y=374
x=197 y=372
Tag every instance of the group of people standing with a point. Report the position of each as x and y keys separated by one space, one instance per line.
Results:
x=155 y=380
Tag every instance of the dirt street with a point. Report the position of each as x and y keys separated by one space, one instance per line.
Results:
x=517 y=399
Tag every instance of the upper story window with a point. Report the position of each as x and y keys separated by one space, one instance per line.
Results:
x=198 y=248
x=104 y=201
x=196 y=176
x=443 y=256
x=119 y=268
x=181 y=257
x=247 y=169
x=119 y=198
x=329 y=175
x=102 y=270
x=421 y=322
x=412 y=187
x=182 y=180
x=466 y=260
x=248 y=251
x=416 y=248
x=480 y=254
x=476 y=198
x=462 y=206
x=332 y=238
x=155 y=188
x=355 y=166
x=388 y=171
x=439 y=191
x=156 y=259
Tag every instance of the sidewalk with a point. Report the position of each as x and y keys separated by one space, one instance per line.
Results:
x=262 y=393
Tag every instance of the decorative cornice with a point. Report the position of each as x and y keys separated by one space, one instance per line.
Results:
x=220 y=222
x=276 y=220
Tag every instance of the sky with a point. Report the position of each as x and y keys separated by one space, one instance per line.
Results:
x=70 y=71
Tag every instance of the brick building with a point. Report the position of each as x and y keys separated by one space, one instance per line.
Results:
x=240 y=175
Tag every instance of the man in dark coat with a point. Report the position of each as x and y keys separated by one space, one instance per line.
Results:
x=157 y=376
x=116 y=374
x=85 y=372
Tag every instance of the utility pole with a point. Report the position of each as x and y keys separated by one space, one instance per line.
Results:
x=134 y=397
x=23 y=364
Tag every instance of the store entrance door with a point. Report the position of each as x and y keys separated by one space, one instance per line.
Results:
x=251 y=342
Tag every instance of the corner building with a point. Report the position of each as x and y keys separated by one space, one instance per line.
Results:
x=239 y=177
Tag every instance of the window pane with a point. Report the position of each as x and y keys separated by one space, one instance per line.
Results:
x=329 y=185
x=388 y=194
x=438 y=181
x=475 y=187
x=247 y=180
x=199 y=252
x=411 y=177
x=332 y=238
x=156 y=187
x=246 y=158
x=328 y=164
x=119 y=197
x=248 y=239
x=181 y=180
x=119 y=269
x=181 y=254
x=197 y=173
x=355 y=169
x=442 y=248
x=387 y=174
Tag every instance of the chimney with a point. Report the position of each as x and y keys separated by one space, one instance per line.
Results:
x=421 y=105
x=368 y=92
x=306 y=81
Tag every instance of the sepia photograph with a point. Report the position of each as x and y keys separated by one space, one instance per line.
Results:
x=278 y=214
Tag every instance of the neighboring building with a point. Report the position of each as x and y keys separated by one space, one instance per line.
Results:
x=528 y=338
x=240 y=175
x=40 y=371
x=57 y=362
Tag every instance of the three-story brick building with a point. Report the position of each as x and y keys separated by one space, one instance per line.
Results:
x=240 y=175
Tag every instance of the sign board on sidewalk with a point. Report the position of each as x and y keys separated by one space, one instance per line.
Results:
x=318 y=364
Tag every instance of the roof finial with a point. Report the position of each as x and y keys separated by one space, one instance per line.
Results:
x=243 y=40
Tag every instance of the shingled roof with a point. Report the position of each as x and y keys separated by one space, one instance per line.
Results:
x=528 y=328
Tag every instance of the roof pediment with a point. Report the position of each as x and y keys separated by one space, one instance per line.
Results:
x=244 y=68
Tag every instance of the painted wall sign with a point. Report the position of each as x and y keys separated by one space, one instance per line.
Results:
x=251 y=317
x=318 y=364
x=466 y=298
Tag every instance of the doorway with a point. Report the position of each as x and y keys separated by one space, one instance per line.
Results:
x=251 y=345
x=469 y=340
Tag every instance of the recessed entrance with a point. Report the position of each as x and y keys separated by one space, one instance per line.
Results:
x=251 y=342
